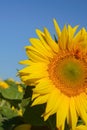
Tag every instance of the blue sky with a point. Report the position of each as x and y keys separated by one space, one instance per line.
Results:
x=20 y=18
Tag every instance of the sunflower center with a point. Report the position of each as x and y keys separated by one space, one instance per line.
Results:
x=69 y=74
x=70 y=70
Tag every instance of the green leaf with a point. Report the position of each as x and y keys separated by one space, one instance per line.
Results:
x=28 y=92
x=1 y=128
x=7 y=112
x=51 y=122
x=80 y=122
x=12 y=92
x=32 y=115
x=11 y=123
x=25 y=102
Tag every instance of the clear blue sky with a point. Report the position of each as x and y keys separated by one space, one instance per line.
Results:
x=20 y=18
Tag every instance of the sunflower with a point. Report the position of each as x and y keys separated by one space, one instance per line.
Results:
x=3 y=84
x=58 y=69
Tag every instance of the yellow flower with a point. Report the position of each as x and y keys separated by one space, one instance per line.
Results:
x=10 y=79
x=20 y=113
x=59 y=72
x=13 y=108
x=20 y=89
x=3 y=85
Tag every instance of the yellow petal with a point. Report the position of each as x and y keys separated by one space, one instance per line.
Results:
x=54 y=46
x=80 y=39
x=63 y=40
x=58 y=31
x=52 y=109
x=37 y=52
x=73 y=114
x=47 y=47
x=36 y=43
x=81 y=127
x=72 y=31
x=84 y=100
x=52 y=104
x=34 y=57
x=37 y=75
x=39 y=67
x=40 y=100
x=25 y=62
x=27 y=81
x=43 y=87
x=62 y=111
x=80 y=108
x=34 y=95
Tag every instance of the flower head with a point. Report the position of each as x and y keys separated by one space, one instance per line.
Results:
x=58 y=69
x=20 y=89
x=3 y=85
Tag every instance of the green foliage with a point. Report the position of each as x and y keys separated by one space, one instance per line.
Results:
x=33 y=115
x=10 y=104
x=15 y=108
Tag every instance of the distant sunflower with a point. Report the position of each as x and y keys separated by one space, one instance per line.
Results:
x=58 y=69
x=3 y=84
